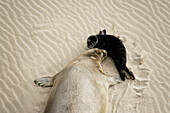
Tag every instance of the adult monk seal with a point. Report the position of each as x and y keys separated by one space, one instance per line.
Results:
x=81 y=87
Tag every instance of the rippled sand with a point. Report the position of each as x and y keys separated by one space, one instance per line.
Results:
x=39 y=37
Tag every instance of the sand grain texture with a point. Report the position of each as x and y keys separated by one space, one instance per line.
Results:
x=39 y=37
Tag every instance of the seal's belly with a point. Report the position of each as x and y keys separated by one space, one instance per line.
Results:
x=82 y=90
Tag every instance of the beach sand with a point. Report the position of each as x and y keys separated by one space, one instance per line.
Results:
x=39 y=37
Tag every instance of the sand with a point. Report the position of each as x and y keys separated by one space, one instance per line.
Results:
x=39 y=37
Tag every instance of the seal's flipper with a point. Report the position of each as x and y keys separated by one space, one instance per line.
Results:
x=98 y=65
x=104 y=32
x=100 y=68
x=130 y=73
x=100 y=32
x=44 y=81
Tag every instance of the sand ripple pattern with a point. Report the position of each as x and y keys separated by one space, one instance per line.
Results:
x=38 y=37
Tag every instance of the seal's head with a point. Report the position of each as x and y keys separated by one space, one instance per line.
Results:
x=92 y=42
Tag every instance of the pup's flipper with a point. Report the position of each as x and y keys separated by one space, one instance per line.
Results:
x=103 y=32
x=130 y=73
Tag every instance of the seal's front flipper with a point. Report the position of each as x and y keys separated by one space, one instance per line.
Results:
x=44 y=81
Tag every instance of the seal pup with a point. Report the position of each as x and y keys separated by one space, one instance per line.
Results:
x=115 y=49
x=81 y=87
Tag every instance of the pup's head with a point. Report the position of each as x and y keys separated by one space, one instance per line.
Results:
x=92 y=42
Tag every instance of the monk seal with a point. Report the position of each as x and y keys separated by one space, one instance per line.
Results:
x=115 y=49
x=81 y=87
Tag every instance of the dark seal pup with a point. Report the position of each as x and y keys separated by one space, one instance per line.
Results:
x=115 y=49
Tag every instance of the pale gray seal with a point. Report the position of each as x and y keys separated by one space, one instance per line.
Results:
x=81 y=87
